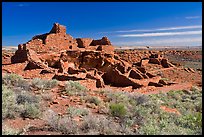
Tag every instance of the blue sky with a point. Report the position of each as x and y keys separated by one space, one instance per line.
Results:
x=125 y=23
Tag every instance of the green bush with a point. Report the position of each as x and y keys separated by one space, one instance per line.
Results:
x=26 y=97
x=31 y=111
x=93 y=99
x=47 y=96
x=67 y=126
x=51 y=118
x=74 y=88
x=14 y=80
x=118 y=110
x=64 y=124
x=192 y=121
x=43 y=84
x=117 y=97
x=8 y=103
x=11 y=79
x=90 y=122
x=9 y=131
x=74 y=111
x=157 y=121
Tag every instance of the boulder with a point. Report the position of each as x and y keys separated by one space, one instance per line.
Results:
x=141 y=69
x=144 y=62
x=83 y=42
x=116 y=78
x=150 y=75
x=155 y=84
x=166 y=64
x=154 y=61
x=135 y=75
x=163 y=82
x=186 y=69
x=45 y=71
x=97 y=77
x=192 y=70
x=66 y=77
x=64 y=66
x=33 y=61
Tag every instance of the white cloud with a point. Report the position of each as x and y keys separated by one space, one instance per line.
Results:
x=23 y=5
x=136 y=30
x=162 y=34
x=162 y=29
x=168 y=41
x=192 y=17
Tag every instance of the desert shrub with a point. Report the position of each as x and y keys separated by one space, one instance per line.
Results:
x=101 y=125
x=28 y=105
x=149 y=129
x=175 y=95
x=52 y=118
x=26 y=97
x=31 y=111
x=74 y=111
x=14 y=80
x=103 y=108
x=158 y=121
x=65 y=124
x=51 y=83
x=8 y=103
x=117 y=97
x=93 y=99
x=43 y=84
x=141 y=99
x=165 y=79
x=74 y=88
x=192 y=121
x=23 y=104
x=11 y=79
x=47 y=96
x=6 y=130
x=90 y=122
x=145 y=111
x=195 y=89
x=118 y=110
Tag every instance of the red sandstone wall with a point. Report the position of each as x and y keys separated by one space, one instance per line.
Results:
x=103 y=41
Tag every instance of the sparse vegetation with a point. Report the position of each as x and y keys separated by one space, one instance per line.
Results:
x=64 y=124
x=31 y=111
x=42 y=84
x=24 y=97
x=74 y=111
x=16 y=103
x=165 y=79
x=74 y=88
x=93 y=99
x=6 y=130
x=15 y=81
x=118 y=110
x=8 y=102
x=47 y=96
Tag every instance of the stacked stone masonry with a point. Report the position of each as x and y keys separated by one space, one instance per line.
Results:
x=84 y=58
